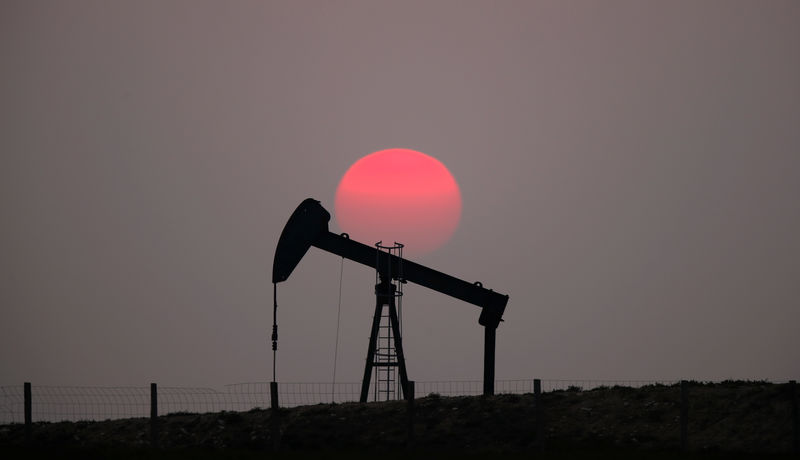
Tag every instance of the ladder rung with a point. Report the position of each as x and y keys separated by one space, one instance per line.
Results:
x=386 y=360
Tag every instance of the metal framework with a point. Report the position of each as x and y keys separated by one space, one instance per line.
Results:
x=385 y=350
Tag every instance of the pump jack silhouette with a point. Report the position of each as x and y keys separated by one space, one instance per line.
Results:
x=308 y=226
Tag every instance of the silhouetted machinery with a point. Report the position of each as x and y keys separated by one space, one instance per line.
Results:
x=308 y=226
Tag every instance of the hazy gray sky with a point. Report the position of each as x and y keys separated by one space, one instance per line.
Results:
x=630 y=172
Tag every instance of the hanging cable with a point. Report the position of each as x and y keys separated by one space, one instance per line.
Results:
x=274 y=327
x=338 y=317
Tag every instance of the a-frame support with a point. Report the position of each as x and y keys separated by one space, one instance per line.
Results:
x=385 y=297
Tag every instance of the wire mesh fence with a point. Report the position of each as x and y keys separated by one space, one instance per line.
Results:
x=521 y=386
x=74 y=403
x=56 y=403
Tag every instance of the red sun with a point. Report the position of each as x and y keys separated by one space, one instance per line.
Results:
x=399 y=195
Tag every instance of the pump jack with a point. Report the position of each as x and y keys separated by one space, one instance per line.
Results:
x=308 y=226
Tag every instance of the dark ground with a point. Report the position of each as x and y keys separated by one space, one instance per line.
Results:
x=729 y=419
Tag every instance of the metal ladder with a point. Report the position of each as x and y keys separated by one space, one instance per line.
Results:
x=385 y=362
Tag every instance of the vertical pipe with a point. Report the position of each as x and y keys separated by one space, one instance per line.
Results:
x=489 y=337
x=795 y=417
x=275 y=416
x=28 y=411
x=538 y=410
x=153 y=415
x=410 y=398
x=684 y=415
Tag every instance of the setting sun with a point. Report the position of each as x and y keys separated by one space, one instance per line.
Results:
x=399 y=195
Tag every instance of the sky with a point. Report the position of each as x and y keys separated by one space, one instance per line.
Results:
x=630 y=174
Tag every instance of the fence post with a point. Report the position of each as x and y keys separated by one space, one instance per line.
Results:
x=153 y=415
x=273 y=395
x=410 y=398
x=275 y=416
x=538 y=413
x=684 y=415
x=28 y=411
x=795 y=417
